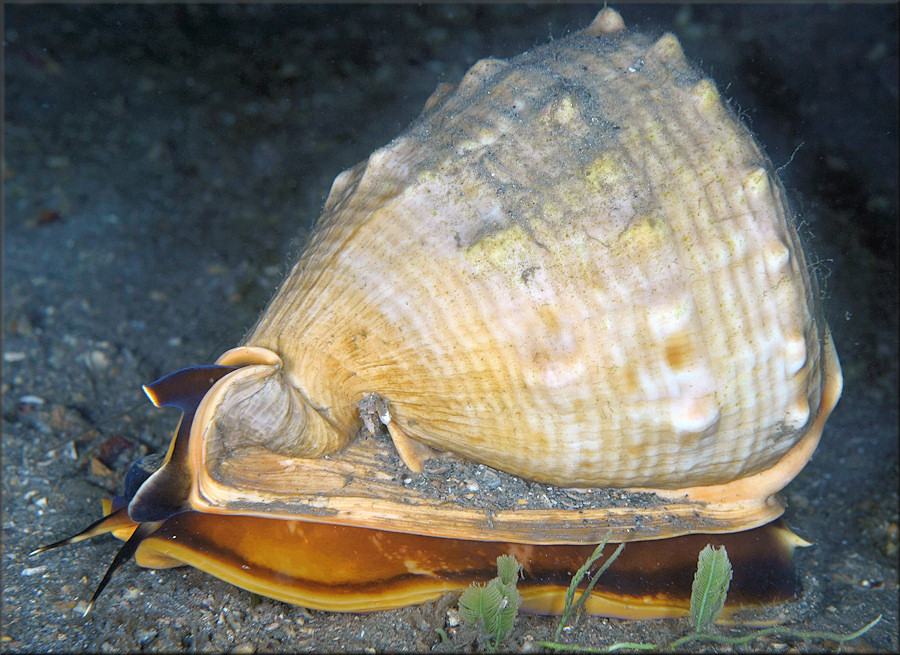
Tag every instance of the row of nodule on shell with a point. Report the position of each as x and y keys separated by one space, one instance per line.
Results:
x=576 y=266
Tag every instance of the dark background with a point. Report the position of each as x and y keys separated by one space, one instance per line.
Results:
x=162 y=166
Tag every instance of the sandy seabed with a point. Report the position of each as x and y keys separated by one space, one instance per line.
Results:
x=162 y=166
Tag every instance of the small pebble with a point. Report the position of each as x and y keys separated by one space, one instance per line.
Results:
x=871 y=584
x=145 y=635
x=69 y=451
x=491 y=481
x=37 y=570
x=96 y=360
x=99 y=468
x=529 y=645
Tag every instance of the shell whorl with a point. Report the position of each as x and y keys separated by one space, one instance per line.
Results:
x=577 y=266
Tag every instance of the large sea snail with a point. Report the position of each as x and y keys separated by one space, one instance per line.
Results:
x=576 y=267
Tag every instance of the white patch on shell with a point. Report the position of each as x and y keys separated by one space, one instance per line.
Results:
x=776 y=255
x=795 y=354
x=694 y=415
x=797 y=414
x=670 y=318
x=559 y=374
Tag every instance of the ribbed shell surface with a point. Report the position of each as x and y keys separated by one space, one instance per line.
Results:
x=576 y=266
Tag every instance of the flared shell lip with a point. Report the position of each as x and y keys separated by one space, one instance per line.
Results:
x=738 y=505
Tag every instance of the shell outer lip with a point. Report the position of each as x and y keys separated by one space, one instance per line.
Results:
x=248 y=355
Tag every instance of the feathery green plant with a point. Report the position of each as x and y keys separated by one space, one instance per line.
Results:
x=710 y=587
x=495 y=604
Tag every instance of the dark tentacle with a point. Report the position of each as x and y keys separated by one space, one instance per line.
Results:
x=108 y=523
x=125 y=553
